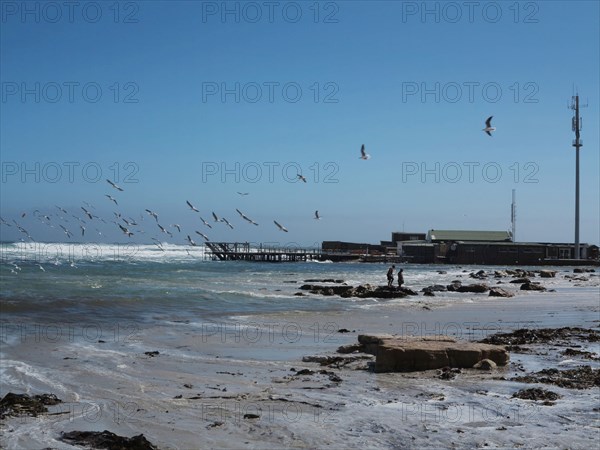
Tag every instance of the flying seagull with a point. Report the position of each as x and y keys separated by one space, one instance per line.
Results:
x=87 y=213
x=177 y=226
x=215 y=217
x=301 y=177
x=110 y=197
x=317 y=215
x=191 y=241
x=125 y=230
x=363 y=153
x=223 y=219
x=243 y=193
x=203 y=235
x=281 y=227
x=193 y=208
x=153 y=214
x=205 y=223
x=246 y=218
x=114 y=185
x=488 y=126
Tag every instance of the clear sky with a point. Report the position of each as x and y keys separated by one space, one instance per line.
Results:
x=198 y=101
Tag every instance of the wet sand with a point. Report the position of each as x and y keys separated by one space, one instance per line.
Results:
x=235 y=384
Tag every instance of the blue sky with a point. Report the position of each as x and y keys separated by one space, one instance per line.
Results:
x=135 y=94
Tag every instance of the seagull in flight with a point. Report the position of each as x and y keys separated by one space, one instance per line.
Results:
x=243 y=193
x=191 y=241
x=281 y=227
x=202 y=234
x=488 y=126
x=215 y=217
x=125 y=230
x=67 y=232
x=246 y=218
x=153 y=214
x=177 y=226
x=317 y=217
x=223 y=219
x=111 y=198
x=301 y=177
x=114 y=185
x=205 y=223
x=193 y=208
x=87 y=213
x=164 y=230
x=363 y=153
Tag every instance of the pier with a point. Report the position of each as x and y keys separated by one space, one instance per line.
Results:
x=243 y=251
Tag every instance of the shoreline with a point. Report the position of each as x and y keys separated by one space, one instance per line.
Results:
x=211 y=376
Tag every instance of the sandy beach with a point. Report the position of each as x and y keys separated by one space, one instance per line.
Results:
x=240 y=382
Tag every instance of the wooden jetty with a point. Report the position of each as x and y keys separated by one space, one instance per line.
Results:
x=243 y=251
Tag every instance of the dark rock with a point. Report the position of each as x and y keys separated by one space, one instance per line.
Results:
x=152 y=354
x=520 y=280
x=351 y=348
x=107 y=440
x=305 y=372
x=343 y=330
x=361 y=291
x=479 y=275
x=547 y=273
x=251 y=416
x=428 y=294
x=532 y=287
x=434 y=288
x=327 y=280
x=299 y=294
x=476 y=288
x=453 y=287
x=499 y=292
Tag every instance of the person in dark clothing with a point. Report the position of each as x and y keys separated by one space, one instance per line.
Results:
x=390 y=275
x=400 y=278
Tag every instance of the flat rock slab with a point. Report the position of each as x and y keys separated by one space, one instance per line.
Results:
x=416 y=353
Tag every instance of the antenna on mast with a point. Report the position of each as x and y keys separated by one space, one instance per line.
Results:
x=576 y=124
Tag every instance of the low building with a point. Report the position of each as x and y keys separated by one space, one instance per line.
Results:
x=468 y=235
x=352 y=248
x=489 y=247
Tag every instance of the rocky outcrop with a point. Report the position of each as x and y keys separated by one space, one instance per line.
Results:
x=499 y=292
x=547 y=273
x=476 y=288
x=362 y=291
x=413 y=353
x=532 y=287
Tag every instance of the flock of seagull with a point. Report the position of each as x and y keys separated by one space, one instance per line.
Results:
x=126 y=224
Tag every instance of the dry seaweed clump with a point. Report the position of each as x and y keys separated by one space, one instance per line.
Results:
x=542 y=336
x=582 y=377
x=24 y=405
x=537 y=394
x=107 y=440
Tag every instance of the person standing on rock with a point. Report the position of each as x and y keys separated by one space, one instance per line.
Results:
x=400 y=278
x=390 y=275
